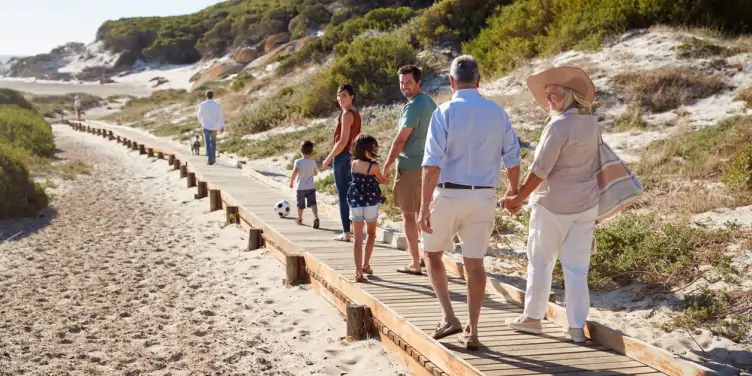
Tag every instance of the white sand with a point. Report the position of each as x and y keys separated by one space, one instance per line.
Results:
x=133 y=276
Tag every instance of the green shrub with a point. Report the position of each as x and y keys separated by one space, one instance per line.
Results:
x=701 y=154
x=642 y=249
x=528 y=28
x=270 y=112
x=241 y=80
x=719 y=311
x=12 y=97
x=738 y=175
x=26 y=129
x=455 y=20
x=631 y=119
x=370 y=65
x=19 y=195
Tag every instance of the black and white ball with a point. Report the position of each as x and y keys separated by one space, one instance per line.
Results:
x=282 y=208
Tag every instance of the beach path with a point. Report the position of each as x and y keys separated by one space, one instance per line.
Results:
x=403 y=307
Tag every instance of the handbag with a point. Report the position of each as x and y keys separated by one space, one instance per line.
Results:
x=619 y=187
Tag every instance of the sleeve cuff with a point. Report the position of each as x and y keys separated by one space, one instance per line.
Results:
x=538 y=171
x=432 y=162
x=512 y=162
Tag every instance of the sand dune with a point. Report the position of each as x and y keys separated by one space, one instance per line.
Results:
x=133 y=276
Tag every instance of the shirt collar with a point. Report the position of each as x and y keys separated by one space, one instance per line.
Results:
x=466 y=93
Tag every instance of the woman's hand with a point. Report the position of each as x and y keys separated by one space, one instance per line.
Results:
x=326 y=163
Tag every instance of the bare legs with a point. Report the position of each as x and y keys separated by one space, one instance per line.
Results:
x=363 y=263
x=476 y=290
x=412 y=234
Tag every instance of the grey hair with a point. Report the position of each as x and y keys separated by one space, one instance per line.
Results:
x=464 y=70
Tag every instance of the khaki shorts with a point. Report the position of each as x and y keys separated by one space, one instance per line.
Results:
x=468 y=213
x=407 y=190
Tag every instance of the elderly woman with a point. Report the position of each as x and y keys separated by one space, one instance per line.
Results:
x=564 y=187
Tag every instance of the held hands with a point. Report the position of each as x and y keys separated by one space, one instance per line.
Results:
x=511 y=202
x=387 y=171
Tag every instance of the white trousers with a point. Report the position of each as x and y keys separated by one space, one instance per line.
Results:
x=568 y=236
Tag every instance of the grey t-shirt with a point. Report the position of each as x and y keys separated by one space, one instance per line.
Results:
x=306 y=169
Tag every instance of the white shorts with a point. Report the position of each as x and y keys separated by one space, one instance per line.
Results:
x=468 y=213
x=366 y=213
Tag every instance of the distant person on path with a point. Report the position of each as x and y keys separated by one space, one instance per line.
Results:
x=565 y=193
x=77 y=107
x=302 y=181
x=468 y=139
x=212 y=122
x=348 y=127
x=407 y=149
x=364 y=198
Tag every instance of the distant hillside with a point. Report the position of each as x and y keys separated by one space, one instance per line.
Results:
x=218 y=29
x=296 y=33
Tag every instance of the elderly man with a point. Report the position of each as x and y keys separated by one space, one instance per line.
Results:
x=468 y=138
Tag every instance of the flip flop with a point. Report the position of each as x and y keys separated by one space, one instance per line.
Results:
x=300 y=221
x=406 y=269
x=367 y=270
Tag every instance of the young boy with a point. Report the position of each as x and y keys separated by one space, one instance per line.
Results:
x=302 y=180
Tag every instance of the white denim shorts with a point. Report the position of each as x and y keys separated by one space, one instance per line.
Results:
x=365 y=213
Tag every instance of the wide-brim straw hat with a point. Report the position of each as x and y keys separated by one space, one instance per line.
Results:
x=570 y=77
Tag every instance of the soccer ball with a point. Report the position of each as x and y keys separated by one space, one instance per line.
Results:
x=282 y=208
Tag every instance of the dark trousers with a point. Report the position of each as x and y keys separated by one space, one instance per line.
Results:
x=341 y=169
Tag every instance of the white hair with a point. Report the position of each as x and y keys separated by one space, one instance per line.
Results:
x=464 y=70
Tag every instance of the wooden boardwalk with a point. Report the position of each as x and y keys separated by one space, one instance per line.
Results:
x=402 y=309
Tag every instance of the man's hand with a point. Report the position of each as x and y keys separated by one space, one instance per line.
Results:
x=291 y=184
x=387 y=171
x=424 y=219
x=326 y=163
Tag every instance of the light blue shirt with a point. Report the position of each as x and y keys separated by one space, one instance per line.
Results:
x=469 y=138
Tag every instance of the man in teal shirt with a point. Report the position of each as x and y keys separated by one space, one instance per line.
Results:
x=407 y=149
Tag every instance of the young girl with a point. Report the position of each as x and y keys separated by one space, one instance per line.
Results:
x=364 y=197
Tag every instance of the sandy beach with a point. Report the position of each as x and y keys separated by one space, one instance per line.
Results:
x=127 y=274
x=62 y=88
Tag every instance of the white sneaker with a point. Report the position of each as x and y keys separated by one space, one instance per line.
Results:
x=532 y=327
x=577 y=335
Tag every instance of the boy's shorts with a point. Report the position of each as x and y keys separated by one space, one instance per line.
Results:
x=308 y=195
x=365 y=213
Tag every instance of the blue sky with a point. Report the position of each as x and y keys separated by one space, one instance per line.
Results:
x=29 y=27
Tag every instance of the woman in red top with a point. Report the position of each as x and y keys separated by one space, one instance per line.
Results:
x=348 y=127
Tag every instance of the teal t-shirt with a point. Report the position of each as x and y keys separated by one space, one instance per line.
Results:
x=417 y=115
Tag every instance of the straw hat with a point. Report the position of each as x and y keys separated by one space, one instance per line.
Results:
x=570 y=77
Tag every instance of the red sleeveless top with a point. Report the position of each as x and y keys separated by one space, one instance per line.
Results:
x=354 y=129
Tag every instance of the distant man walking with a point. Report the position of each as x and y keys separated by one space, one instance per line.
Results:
x=468 y=139
x=77 y=107
x=408 y=149
x=212 y=122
